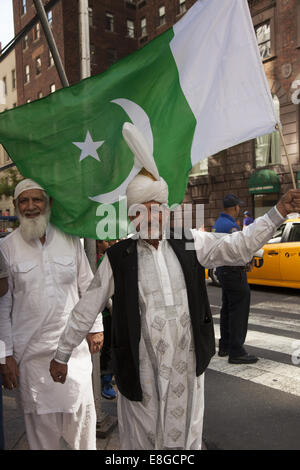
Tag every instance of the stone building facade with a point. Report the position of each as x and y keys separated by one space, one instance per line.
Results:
x=257 y=171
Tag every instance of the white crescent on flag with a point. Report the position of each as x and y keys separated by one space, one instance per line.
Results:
x=141 y=120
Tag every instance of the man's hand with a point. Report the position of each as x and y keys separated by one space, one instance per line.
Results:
x=10 y=373
x=95 y=342
x=58 y=371
x=290 y=202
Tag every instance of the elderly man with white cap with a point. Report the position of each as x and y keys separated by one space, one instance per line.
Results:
x=162 y=329
x=47 y=273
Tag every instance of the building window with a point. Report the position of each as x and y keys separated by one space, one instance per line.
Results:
x=52 y=88
x=182 y=6
x=13 y=79
x=91 y=17
x=14 y=105
x=23 y=7
x=38 y=66
x=51 y=61
x=267 y=147
x=25 y=41
x=263 y=35
x=161 y=16
x=143 y=27
x=27 y=74
x=200 y=168
x=93 y=54
x=130 y=28
x=40 y=95
x=112 y=56
x=4 y=86
x=50 y=18
x=109 y=22
x=36 y=32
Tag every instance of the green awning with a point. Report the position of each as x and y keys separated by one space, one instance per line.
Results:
x=264 y=181
x=298 y=179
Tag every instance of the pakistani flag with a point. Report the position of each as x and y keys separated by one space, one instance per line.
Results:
x=193 y=91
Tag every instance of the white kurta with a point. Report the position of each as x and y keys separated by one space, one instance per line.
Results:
x=45 y=282
x=171 y=413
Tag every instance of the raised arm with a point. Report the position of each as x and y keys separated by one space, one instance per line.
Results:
x=238 y=248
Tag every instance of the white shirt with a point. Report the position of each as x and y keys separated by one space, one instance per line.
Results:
x=45 y=283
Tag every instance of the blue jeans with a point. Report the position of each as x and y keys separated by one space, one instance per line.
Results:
x=235 y=309
x=1 y=419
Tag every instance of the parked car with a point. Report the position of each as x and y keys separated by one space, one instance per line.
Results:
x=280 y=265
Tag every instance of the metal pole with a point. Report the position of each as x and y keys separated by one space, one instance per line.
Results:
x=278 y=126
x=51 y=42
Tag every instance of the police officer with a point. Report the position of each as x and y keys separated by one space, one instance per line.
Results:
x=235 y=293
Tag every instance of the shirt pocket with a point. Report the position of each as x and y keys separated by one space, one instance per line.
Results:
x=64 y=269
x=26 y=276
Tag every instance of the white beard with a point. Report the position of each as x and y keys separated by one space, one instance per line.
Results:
x=33 y=229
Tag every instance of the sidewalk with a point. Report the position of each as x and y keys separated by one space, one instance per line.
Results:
x=14 y=428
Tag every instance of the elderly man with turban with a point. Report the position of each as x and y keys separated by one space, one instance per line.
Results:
x=162 y=330
x=47 y=273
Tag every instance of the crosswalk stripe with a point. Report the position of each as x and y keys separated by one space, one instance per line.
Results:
x=270 y=306
x=258 y=339
x=283 y=377
x=272 y=322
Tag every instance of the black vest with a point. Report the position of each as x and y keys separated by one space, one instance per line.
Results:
x=126 y=322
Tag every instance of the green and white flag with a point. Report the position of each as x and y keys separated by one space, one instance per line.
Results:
x=193 y=91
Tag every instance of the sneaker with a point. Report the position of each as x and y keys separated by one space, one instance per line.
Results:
x=107 y=390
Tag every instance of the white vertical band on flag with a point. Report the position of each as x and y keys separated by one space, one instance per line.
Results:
x=222 y=76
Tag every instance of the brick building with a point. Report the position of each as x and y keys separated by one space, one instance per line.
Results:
x=257 y=171
x=117 y=28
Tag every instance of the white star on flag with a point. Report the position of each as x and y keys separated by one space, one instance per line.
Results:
x=89 y=147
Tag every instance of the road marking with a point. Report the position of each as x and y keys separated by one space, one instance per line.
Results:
x=269 y=321
x=258 y=339
x=283 y=377
x=271 y=306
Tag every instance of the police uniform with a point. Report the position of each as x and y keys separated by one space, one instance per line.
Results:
x=235 y=297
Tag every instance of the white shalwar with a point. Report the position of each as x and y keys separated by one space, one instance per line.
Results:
x=45 y=283
x=171 y=413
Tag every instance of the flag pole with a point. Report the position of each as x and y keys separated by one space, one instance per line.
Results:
x=279 y=128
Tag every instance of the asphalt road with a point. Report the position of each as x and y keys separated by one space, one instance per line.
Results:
x=258 y=406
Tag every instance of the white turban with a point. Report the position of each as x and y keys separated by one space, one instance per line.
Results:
x=148 y=186
x=143 y=189
x=25 y=185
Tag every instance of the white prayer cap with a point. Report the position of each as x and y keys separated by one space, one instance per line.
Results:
x=24 y=185
x=147 y=185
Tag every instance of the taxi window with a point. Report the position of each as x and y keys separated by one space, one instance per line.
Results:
x=277 y=235
x=295 y=233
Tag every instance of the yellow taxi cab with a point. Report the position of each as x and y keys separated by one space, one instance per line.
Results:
x=281 y=261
